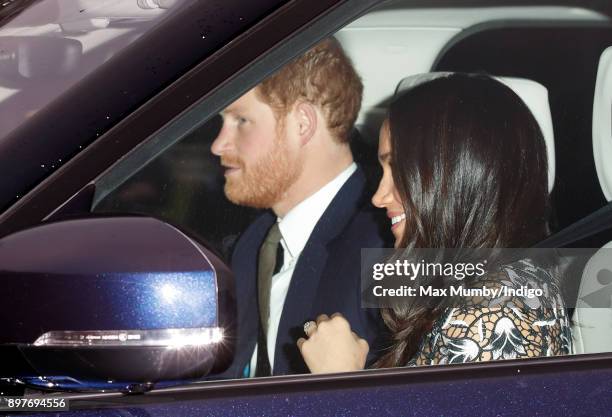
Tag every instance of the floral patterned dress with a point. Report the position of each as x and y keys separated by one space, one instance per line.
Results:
x=508 y=328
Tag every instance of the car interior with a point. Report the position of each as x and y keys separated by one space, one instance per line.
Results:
x=558 y=59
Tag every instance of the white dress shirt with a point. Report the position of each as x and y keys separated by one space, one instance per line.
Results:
x=295 y=228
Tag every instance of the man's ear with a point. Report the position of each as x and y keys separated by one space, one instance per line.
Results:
x=307 y=119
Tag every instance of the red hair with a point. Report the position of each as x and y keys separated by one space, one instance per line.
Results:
x=323 y=76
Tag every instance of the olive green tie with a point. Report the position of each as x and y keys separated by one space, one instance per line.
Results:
x=268 y=254
x=267 y=263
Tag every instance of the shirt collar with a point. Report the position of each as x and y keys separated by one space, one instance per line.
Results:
x=298 y=224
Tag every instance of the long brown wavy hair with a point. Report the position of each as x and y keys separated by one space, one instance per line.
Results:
x=469 y=163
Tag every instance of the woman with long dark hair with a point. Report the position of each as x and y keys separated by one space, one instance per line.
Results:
x=464 y=166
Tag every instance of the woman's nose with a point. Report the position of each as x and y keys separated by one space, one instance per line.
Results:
x=381 y=197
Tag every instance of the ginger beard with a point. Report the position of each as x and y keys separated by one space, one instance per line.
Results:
x=262 y=184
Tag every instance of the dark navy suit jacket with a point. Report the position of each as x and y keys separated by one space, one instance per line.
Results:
x=326 y=278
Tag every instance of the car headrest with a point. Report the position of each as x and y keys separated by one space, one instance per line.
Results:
x=602 y=123
x=535 y=96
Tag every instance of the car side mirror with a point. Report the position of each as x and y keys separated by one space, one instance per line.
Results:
x=115 y=303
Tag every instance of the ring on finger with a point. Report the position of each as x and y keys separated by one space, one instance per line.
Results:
x=309 y=327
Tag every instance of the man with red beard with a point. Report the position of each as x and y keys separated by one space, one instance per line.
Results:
x=285 y=147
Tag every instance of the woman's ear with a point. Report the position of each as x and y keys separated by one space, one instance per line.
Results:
x=307 y=118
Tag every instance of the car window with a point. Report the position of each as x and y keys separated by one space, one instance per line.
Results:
x=61 y=86
x=50 y=46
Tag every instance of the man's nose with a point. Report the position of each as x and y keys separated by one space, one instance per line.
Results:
x=222 y=141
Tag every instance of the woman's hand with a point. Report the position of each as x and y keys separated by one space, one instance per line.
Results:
x=332 y=346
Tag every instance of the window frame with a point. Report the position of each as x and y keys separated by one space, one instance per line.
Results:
x=249 y=389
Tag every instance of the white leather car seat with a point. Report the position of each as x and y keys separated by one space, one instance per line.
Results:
x=534 y=95
x=592 y=327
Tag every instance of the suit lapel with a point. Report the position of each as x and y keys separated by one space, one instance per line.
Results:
x=310 y=271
